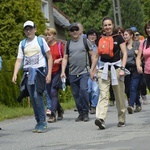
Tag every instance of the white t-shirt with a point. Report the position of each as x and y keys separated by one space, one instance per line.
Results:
x=33 y=54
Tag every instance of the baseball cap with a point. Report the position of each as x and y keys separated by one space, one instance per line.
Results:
x=29 y=23
x=134 y=29
x=73 y=25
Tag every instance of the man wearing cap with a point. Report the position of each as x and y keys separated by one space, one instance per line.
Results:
x=76 y=55
x=34 y=67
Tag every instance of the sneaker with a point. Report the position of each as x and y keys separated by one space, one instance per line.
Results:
x=48 y=112
x=138 y=109
x=79 y=118
x=121 y=124
x=111 y=103
x=144 y=99
x=85 y=117
x=130 y=109
x=42 y=128
x=51 y=119
x=36 y=128
x=75 y=109
x=100 y=123
x=60 y=114
x=93 y=110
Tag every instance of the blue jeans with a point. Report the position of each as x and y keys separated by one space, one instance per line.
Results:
x=79 y=87
x=94 y=92
x=53 y=93
x=48 y=100
x=37 y=102
x=133 y=84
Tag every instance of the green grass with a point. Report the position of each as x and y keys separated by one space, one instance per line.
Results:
x=17 y=112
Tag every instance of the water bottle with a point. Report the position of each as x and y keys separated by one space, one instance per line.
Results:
x=0 y=62
x=63 y=84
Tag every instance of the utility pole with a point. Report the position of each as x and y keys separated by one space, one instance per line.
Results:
x=117 y=13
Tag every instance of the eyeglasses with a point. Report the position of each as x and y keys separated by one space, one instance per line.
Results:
x=75 y=29
x=28 y=29
x=137 y=34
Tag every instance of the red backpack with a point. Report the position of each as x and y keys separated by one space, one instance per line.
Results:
x=106 y=46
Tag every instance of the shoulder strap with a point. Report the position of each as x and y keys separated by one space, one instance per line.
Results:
x=60 y=49
x=67 y=47
x=23 y=42
x=85 y=44
x=40 y=41
x=144 y=43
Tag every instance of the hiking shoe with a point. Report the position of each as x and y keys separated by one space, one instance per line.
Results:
x=93 y=110
x=79 y=118
x=36 y=128
x=51 y=119
x=138 y=109
x=60 y=114
x=130 y=109
x=85 y=117
x=100 y=123
x=42 y=128
x=121 y=124
x=48 y=112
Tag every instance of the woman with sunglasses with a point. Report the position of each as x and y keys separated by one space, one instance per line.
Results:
x=132 y=81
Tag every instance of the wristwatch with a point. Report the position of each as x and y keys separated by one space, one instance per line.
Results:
x=122 y=68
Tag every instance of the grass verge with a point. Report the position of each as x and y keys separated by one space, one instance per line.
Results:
x=17 y=112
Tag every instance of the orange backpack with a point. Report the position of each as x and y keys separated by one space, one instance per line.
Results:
x=106 y=46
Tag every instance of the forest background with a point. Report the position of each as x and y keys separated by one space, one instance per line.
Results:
x=89 y=12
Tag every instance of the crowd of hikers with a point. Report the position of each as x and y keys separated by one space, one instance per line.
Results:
x=102 y=69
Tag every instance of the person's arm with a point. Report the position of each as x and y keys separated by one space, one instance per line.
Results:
x=16 y=69
x=94 y=57
x=124 y=58
x=50 y=64
x=138 y=62
x=63 y=66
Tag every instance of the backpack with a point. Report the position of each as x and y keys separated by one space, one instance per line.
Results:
x=86 y=47
x=0 y=63
x=40 y=42
x=106 y=46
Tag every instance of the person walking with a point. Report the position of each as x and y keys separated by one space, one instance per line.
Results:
x=57 y=51
x=93 y=87
x=144 y=51
x=132 y=81
x=76 y=55
x=35 y=74
x=112 y=70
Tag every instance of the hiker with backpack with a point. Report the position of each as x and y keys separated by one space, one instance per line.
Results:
x=77 y=52
x=57 y=51
x=111 y=71
x=36 y=72
x=144 y=54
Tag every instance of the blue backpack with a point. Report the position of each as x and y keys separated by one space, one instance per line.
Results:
x=40 y=41
x=0 y=62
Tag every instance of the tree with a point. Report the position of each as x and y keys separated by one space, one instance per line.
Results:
x=12 y=16
x=132 y=14
x=88 y=12
x=146 y=4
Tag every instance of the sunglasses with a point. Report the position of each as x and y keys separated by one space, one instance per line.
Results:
x=74 y=29
x=137 y=34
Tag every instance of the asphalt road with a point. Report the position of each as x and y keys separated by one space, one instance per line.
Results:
x=16 y=134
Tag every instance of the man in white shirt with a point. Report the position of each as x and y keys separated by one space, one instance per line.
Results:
x=35 y=76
